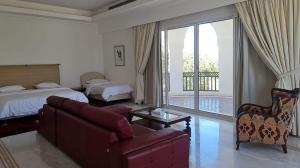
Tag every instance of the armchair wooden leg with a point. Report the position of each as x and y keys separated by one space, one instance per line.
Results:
x=237 y=145
x=284 y=148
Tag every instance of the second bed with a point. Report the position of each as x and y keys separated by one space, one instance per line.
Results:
x=97 y=87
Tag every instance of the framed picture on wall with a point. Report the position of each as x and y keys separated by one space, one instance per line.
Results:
x=119 y=51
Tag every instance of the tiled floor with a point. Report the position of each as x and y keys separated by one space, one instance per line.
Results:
x=212 y=146
x=214 y=104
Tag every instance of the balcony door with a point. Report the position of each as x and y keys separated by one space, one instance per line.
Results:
x=201 y=80
x=180 y=51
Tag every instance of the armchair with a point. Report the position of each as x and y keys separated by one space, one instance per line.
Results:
x=267 y=125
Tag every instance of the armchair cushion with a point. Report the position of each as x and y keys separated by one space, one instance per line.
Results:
x=259 y=129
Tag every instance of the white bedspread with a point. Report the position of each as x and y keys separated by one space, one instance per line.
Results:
x=107 y=89
x=30 y=101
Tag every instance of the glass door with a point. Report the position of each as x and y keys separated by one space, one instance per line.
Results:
x=180 y=67
x=201 y=80
x=216 y=67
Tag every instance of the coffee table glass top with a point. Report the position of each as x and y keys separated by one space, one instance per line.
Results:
x=158 y=114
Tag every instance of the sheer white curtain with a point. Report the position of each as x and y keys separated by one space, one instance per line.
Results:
x=143 y=39
x=273 y=27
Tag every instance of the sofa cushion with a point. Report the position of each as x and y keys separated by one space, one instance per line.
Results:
x=139 y=130
x=109 y=120
x=123 y=110
x=56 y=101
x=73 y=106
x=146 y=140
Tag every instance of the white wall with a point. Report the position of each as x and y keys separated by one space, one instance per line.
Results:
x=122 y=74
x=36 y=40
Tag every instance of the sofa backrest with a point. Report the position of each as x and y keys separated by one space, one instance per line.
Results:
x=73 y=107
x=108 y=120
x=56 y=101
x=98 y=116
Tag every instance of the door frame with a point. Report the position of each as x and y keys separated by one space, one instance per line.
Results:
x=196 y=109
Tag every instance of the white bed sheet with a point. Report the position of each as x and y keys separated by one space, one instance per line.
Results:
x=30 y=101
x=107 y=89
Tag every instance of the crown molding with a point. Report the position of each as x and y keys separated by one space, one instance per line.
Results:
x=45 y=10
x=23 y=11
x=37 y=9
x=44 y=7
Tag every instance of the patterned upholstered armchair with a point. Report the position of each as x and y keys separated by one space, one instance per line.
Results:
x=267 y=125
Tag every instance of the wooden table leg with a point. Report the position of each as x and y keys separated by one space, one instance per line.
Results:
x=130 y=117
x=188 y=120
x=188 y=128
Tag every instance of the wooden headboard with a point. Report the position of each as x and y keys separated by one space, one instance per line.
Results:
x=29 y=75
x=89 y=76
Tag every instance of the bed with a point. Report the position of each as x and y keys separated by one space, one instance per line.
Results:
x=28 y=102
x=106 y=91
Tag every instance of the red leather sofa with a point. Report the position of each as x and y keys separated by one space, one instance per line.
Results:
x=102 y=137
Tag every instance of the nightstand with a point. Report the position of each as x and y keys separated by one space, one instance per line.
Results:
x=79 y=89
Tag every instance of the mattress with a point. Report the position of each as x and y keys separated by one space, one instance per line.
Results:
x=28 y=102
x=107 y=89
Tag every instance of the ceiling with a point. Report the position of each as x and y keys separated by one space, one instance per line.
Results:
x=77 y=4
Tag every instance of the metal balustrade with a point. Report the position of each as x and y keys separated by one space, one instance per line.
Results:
x=208 y=81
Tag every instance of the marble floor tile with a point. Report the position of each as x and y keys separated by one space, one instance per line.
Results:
x=212 y=146
x=30 y=150
x=213 y=104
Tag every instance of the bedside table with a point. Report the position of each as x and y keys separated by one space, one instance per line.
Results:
x=79 y=89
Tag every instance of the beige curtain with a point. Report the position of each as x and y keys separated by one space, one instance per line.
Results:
x=153 y=73
x=239 y=55
x=253 y=80
x=143 y=37
x=273 y=27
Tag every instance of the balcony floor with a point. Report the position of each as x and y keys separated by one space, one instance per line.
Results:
x=214 y=104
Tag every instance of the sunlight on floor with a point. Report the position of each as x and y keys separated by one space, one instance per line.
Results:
x=214 y=104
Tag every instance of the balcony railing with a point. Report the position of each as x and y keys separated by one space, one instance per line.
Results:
x=208 y=81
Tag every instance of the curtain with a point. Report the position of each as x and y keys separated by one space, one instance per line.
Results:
x=273 y=27
x=153 y=73
x=239 y=62
x=253 y=80
x=143 y=38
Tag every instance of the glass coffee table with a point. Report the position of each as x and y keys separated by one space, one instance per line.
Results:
x=158 y=118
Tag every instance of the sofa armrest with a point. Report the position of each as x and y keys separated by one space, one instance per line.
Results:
x=165 y=147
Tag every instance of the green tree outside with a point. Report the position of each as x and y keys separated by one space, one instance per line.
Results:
x=206 y=64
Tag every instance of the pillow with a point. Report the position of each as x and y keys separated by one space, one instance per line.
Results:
x=47 y=85
x=12 y=88
x=94 y=81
